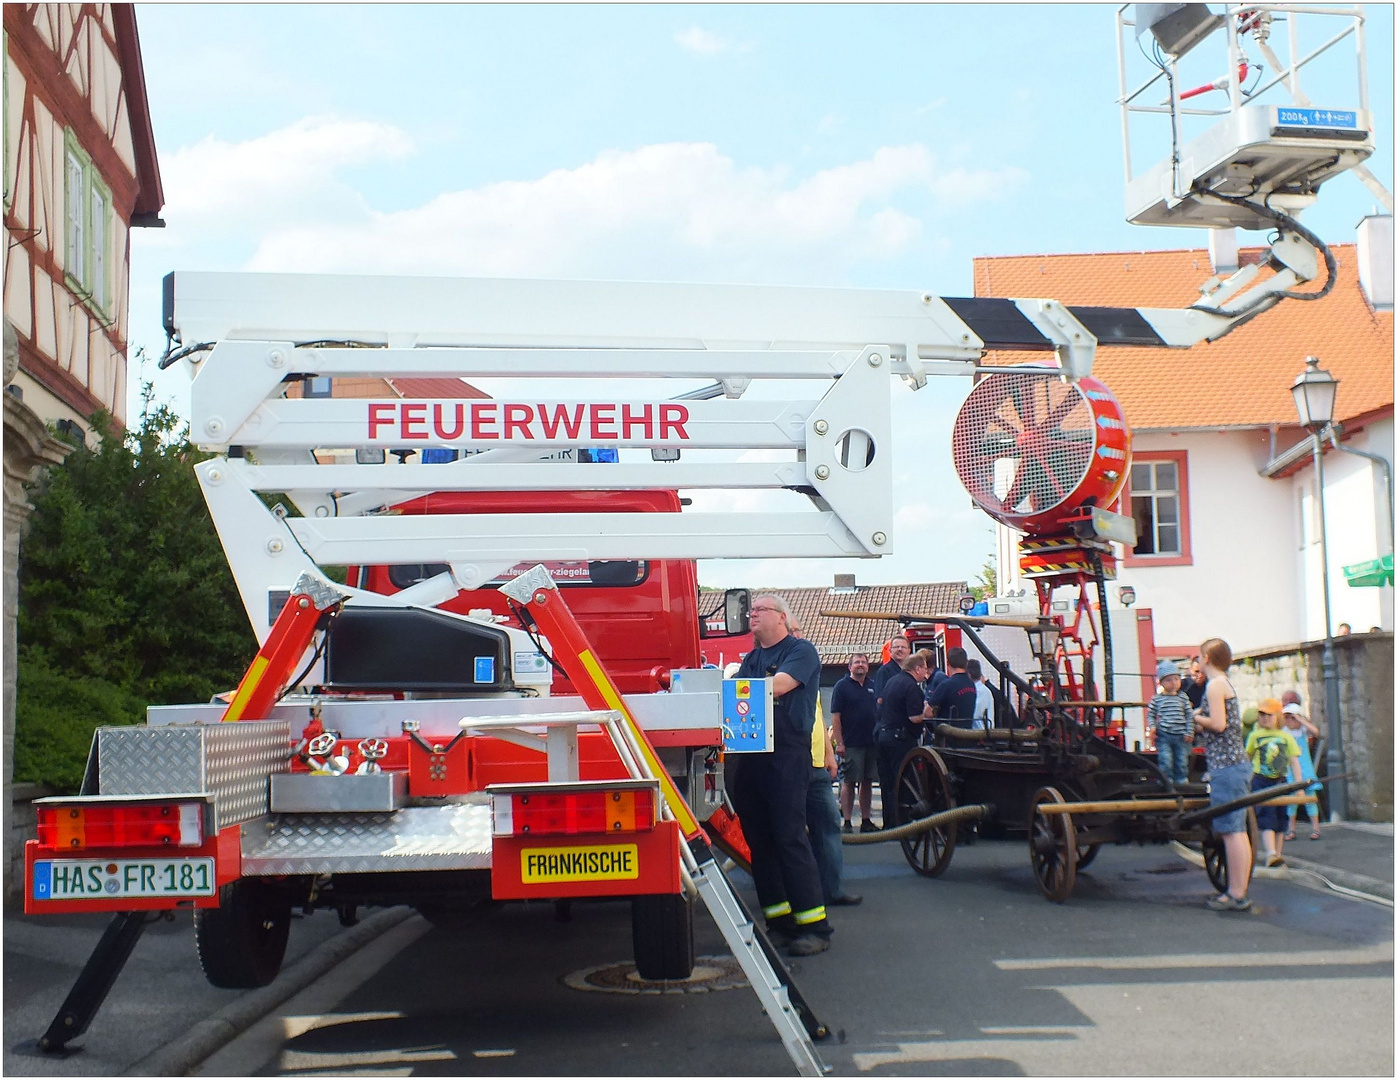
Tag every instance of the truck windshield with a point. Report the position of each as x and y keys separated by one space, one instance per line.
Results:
x=609 y=573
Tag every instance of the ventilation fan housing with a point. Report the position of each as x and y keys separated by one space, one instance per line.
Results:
x=1033 y=450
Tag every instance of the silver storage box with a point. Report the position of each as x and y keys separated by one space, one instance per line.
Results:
x=308 y=793
x=230 y=762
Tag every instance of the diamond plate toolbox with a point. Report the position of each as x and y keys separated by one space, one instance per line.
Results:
x=231 y=762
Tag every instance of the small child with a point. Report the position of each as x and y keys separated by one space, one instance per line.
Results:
x=1302 y=730
x=1169 y=717
x=1275 y=756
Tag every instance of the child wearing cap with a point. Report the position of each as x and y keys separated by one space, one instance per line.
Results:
x=1169 y=717
x=1301 y=729
x=1275 y=757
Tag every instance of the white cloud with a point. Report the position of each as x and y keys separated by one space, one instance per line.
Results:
x=702 y=42
x=669 y=210
x=216 y=189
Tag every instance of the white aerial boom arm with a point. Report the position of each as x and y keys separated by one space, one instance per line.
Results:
x=245 y=336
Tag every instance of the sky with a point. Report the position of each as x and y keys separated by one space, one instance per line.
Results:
x=867 y=146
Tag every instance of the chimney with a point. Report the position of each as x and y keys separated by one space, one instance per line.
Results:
x=1375 y=259
x=844 y=583
x=1222 y=250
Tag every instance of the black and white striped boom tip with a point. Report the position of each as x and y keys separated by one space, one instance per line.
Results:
x=1000 y=324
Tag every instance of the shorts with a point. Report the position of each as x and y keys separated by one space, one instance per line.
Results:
x=1226 y=785
x=859 y=763
x=1269 y=818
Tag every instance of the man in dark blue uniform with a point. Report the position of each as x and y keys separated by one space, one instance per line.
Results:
x=900 y=718
x=769 y=790
x=898 y=651
x=954 y=700
x=854 y=713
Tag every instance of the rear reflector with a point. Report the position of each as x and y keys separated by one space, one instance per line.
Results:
x=76 y=826
x=545 y=812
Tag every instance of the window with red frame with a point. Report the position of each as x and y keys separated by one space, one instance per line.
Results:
x=1158 y=494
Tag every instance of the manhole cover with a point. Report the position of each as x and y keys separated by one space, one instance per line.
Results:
x=710 y=973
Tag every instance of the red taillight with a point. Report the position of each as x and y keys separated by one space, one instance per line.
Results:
x=572 y=813
x=75 y=826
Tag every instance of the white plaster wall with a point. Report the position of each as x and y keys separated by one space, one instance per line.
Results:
x=1359 y=529
x=1242 y=586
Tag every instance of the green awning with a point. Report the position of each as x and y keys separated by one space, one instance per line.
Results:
x=1374 y=572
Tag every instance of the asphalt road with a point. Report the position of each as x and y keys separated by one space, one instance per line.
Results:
x=972 y=973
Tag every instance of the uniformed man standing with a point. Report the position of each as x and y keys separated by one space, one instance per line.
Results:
x=769 y=790
x=900 y=717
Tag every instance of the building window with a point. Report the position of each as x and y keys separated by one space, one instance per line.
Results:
x=88 y=212
x=1157 y=495
x=317 y=386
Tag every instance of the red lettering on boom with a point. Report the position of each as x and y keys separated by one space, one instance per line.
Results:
x=518 y=418
x=479 y=419
x=603 y=414
x=414 y=414
x=380 y=415
x=459 y=420
x=673 y=416
x=644 y=419
x=571 y=425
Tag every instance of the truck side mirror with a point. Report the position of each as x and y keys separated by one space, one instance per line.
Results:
x=728 y=619
x=735 y=610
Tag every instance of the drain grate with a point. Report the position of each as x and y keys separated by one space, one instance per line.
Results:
x=711 y=973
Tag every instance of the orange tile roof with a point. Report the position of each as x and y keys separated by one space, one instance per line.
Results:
x=836 y=639
x=1241 y=380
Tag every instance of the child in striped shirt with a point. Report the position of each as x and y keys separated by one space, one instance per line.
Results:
x=1169 y=718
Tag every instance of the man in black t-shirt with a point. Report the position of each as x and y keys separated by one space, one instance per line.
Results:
x=769 y=790
x=900 y=717
x=898 y=651
x=1197 y=684
x=954 y=700
x=854 y=712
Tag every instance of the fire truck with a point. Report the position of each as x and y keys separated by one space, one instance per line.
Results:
x=504 y=698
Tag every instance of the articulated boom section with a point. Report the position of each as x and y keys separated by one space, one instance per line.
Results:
x=247 y=336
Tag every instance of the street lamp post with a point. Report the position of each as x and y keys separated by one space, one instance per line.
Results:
x=1314 y=391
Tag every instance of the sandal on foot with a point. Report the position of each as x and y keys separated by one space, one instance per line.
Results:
x=1290 y=836
x=1314 y=835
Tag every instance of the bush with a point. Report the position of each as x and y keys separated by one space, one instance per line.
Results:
x=126 y=598
x=56 y=715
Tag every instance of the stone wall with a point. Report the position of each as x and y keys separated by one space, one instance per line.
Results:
x=1365 y=671
x=20 y=825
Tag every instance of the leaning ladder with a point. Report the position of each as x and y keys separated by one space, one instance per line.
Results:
x=537 y=593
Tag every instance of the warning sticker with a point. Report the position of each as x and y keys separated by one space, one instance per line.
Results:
x=603 y=862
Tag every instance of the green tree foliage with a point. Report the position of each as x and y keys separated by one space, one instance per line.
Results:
x=125 y=596
x=987 y=585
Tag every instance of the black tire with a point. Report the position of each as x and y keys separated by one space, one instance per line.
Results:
x=662 y=935
x=241 y=943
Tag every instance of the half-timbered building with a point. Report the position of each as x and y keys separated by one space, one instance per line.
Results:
x=80 y=172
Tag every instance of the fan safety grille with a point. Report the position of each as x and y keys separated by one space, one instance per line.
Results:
x=1022 y=443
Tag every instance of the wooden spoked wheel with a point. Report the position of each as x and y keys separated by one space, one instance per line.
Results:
x=1086 y=854
x=922 y=790
x=1052 y=848
x=1215 y=856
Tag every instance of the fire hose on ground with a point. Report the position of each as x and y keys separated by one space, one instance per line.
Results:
x=973 y=812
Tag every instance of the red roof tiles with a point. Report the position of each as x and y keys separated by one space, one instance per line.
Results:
x=1242 y=380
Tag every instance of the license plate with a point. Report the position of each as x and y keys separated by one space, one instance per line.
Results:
x=600 y=862
x=95 y=879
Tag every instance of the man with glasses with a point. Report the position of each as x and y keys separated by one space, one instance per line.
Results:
x=769 y=790
x=898 y=651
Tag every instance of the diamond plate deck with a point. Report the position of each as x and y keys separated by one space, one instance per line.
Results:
x=452 y=837
x=231 y=762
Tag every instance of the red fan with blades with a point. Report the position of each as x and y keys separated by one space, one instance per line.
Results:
x=1033 y=450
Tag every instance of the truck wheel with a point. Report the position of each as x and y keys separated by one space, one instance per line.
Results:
x=241 y=943
x=662 y=933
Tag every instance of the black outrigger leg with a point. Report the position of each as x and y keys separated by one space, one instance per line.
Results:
x=95 y=981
